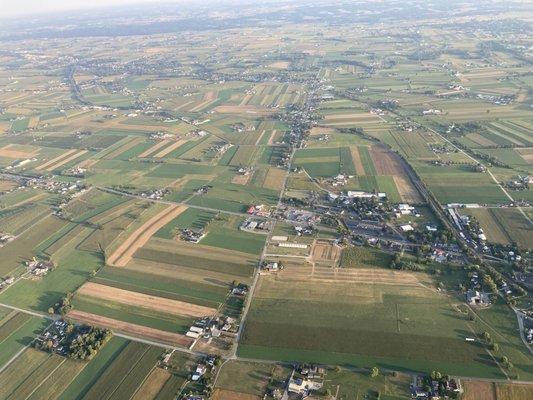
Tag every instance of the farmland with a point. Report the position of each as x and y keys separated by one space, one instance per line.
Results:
x=406 y=315
x=253 y=187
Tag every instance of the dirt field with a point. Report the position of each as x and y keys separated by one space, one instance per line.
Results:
x=475 y=390
x=136 y=299
x=324 y=251
x=132 y=329
x=11 y=151
x=169 y=149
x=223 y=394
x=125 y=251
x=152 y=385
x=274 y=178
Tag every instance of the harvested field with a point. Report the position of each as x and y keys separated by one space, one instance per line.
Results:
x=352 y=117
x=274 y=178
x=244 y=109
x=125 y=147
x=240 y=179
x=123 y=254
x=169 y=149
x=386 y=163
x=526 y=154
x=55 y=160
x=506 y=391
x=154 y=148
x=272 y=136
x=128 y=328
x=356 y=159
x=152 y=385
x=223 y=394
x=66 y=160
x=280 y=65
x=7 y=185
x=137 y=299
x=359 y=275
x=406 y=190
x=477 y=390
x=11 y=151
x=324 y=251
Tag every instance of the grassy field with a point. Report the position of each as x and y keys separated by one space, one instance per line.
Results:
x=362 y=325
x=367 y=257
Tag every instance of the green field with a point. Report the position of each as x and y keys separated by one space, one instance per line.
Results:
x=395 y=327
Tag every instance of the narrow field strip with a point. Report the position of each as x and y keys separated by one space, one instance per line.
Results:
x=138 y=299
x=131 y=329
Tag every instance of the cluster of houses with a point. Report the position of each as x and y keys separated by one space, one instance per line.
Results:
x=272 y=266
x=305 y=379
x=6 y=282
x=207 y=328
x=156 y=194
x=208 y=364
x=38 y=268
x=426 y=387
x=475 y=295
x=192 y=236
x=252 y=225
x=5 y=238
x=339 y=180
x=245 y=171
x=260 y=210
x=77 y=172
x=53 y=338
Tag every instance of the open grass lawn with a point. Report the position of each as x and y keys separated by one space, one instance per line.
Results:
x=361 y=325
x=250 y=378
x=224 y=233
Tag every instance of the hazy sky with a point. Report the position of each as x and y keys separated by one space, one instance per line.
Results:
x=21 y=7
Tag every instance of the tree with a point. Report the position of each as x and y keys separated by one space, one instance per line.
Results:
x=374 y=372
x=51 y=310
x=494 y=347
